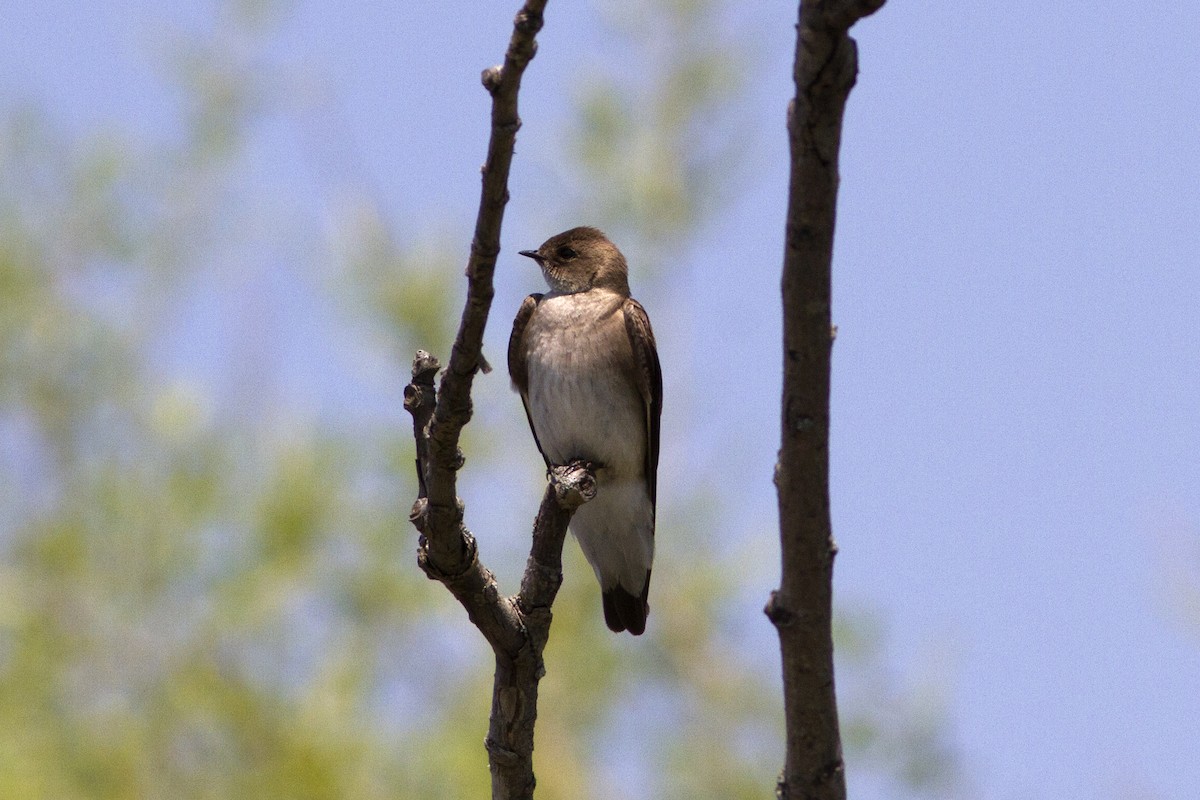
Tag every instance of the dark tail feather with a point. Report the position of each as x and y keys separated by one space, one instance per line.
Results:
x=623 y=611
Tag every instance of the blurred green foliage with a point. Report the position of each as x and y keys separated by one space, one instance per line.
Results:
x=201 y=602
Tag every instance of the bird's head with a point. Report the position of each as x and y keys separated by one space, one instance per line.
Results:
x=581 y=259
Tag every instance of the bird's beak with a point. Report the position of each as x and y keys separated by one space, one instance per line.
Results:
x=534 y=254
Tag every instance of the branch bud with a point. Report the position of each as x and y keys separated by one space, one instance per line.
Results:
x=491 y=78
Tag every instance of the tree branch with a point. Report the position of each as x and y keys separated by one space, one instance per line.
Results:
x=472 y=584
x=516 y=627
x=801 y=610
x=454 y=409
x=514 y=687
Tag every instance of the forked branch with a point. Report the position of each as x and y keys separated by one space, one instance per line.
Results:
x=516 y=627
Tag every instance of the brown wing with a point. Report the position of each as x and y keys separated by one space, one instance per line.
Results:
x=517 y=368
x=648 y=375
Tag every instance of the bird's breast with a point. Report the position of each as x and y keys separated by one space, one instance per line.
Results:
x=582 y=397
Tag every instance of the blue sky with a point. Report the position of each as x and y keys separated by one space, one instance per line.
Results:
x=1016 y=483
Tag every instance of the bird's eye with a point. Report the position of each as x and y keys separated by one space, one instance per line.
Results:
x=565 y=253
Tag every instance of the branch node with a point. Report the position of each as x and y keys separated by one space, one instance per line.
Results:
x=471 y=555
x=574 y=483
x=780 y=615
x=491 y=593
x=501 y=754
x=412 y=397
x=424 y=368
x=529 y=21
x=492 y=78
x=419 y=515
x=440 y=517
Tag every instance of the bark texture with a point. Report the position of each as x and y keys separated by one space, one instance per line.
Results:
x=517 y=627
x=801 y=609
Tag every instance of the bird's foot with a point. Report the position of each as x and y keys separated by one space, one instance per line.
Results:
x=574 y=483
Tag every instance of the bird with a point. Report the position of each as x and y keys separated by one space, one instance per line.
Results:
x=583 y=358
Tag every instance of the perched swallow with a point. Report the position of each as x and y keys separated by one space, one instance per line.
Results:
x=583 y=358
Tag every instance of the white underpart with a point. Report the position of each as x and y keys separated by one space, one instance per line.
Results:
x=584 y=405
x=616 y=533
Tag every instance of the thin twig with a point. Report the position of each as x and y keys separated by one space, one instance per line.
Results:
x=454 y=407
